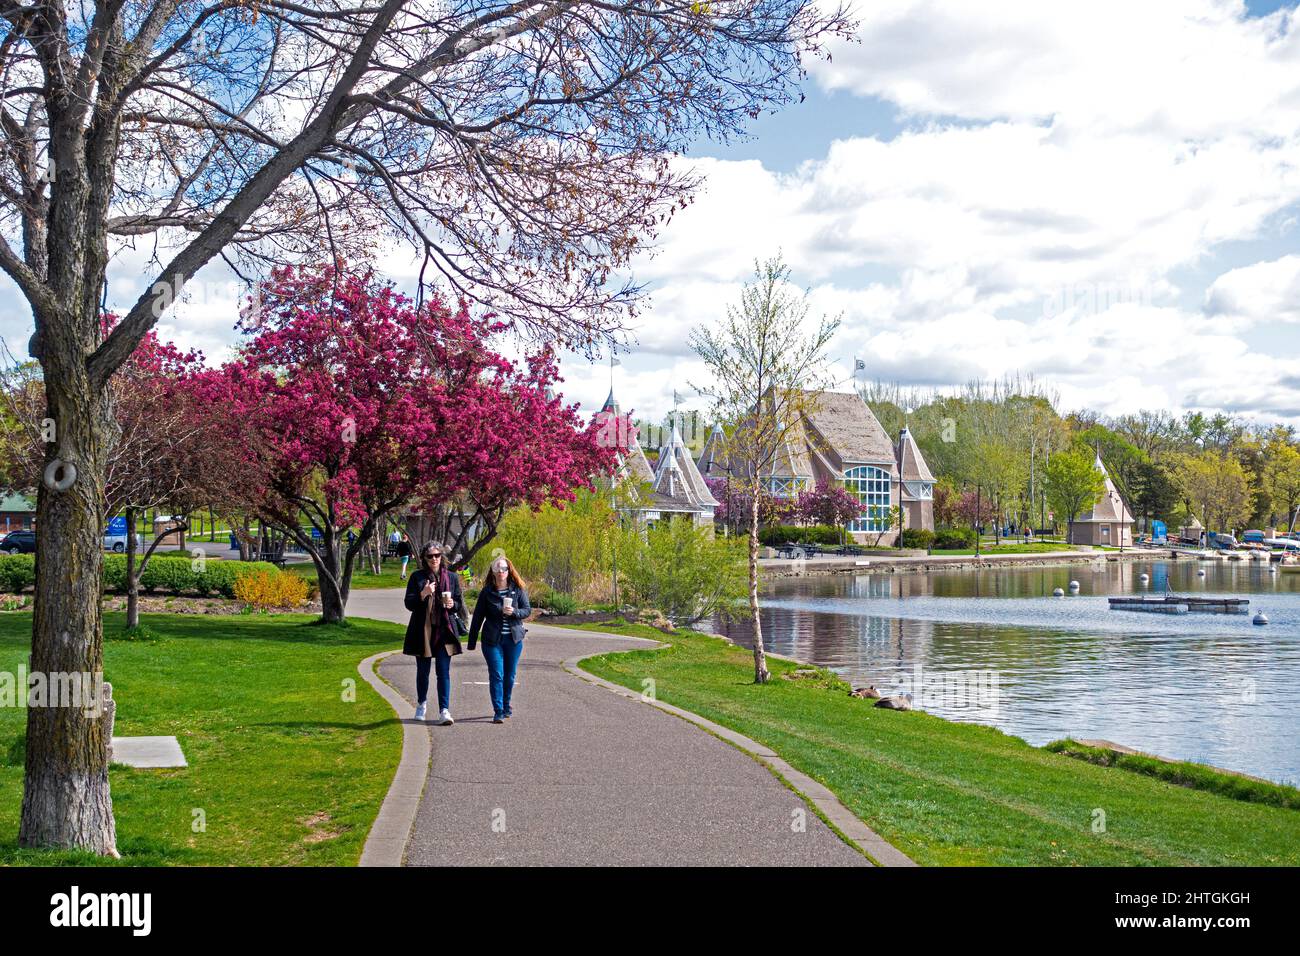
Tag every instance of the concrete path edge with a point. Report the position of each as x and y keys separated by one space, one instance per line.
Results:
x=386 y=843
x=843 y=820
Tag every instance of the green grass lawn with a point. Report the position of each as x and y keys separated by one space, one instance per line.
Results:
x=948 y=793
x=989 y=548
x=285 y=770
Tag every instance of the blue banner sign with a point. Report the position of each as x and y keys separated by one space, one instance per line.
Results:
x=117 y=525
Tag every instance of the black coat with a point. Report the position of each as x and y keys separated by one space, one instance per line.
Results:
x=488 y=616
x=418 y=607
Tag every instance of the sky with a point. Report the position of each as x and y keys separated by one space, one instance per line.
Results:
x=1103 y=194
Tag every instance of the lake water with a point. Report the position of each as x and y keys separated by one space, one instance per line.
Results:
x=994 y=647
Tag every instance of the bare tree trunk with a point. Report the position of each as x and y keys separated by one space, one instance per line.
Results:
x=333 y=588
x=132 y=576
x=760 y=658
x=66 y=800
x=377 y=549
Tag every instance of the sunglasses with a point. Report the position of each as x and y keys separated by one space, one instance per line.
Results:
x=433 y=554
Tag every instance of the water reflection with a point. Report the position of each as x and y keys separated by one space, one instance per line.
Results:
x=1210 y=688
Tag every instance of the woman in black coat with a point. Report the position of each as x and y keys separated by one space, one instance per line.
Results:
x=499 y=615
x=433 y=633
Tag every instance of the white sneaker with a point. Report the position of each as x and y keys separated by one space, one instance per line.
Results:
x=419 y=711
x=445 y=718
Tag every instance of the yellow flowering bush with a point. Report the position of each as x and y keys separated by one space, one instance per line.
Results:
x=268 y=589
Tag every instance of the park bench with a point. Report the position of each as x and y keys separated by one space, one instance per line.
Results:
x=275 y=557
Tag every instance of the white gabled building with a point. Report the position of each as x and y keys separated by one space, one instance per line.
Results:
x=679 y=488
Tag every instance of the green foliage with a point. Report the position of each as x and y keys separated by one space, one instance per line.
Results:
x=778 y=534
x=917 y=538
x=954 y=539
x=166 y=572
x=562 y=603
x=565 y=550
x=1073 y=483
x=17 y=572
x=685 y=572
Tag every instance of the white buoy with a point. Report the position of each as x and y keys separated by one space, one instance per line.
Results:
x=1261 y=618
x=1200 y=572
x=1143 y=578
x=1272 y=569
x=1074 y=586
x=1058 y=593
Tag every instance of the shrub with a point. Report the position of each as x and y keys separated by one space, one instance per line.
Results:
x=17 y=572
x=683 y=571
x=168 y=572
x=822 y=534
x=917 y=538
x=954 y=539
x=565 y=549
x=562 y=603
x=778 y=534
x=264 y=589
x=168 y=575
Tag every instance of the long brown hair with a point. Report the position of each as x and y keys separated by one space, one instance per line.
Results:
x=512 y=576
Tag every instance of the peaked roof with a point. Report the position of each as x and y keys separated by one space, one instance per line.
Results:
x=791 y=459
x=1111 y=507
x=634 y=465
x=678 y=484
x=712 y=454
x=911 y=463
x=631 y=461
x=849 y=428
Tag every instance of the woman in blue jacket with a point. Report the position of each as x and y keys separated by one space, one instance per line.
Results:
x=499 y=616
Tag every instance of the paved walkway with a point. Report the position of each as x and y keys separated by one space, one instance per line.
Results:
x=581 y=775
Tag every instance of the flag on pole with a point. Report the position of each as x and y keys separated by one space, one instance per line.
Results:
x=859 y=365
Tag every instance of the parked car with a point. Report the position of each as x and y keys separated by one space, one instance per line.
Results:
x=19 y=542
x=117 y=542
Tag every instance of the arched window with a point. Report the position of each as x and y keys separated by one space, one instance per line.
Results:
x=871 y=485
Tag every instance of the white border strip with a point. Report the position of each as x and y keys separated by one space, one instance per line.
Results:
x=386 y=843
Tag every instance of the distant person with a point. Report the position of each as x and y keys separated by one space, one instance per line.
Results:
x=433 y=634
x=402 y=545
x=499 y=615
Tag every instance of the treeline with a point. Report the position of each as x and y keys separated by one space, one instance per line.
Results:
x=996 y=438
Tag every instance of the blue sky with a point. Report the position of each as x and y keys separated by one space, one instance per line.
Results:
x=1104 y=194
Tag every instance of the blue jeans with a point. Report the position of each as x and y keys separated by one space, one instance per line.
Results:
x=443 y=661
x=502 y=660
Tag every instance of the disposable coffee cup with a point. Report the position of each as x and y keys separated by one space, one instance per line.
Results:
x=446 y=596
x=507 y=604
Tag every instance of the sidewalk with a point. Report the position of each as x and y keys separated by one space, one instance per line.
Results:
x=583 y=776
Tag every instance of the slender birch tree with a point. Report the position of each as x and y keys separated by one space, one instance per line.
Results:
x=767 y=361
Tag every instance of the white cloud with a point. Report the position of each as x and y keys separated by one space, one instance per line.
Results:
x=1261 y=292
x=1066 y=172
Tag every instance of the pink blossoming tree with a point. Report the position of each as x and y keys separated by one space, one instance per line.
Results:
x=358 y=401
